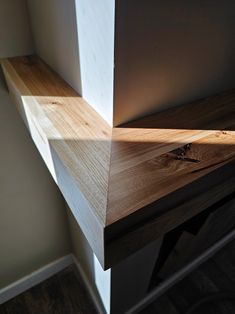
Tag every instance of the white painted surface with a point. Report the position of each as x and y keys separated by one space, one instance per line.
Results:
x=25 y=105
x=103 y=284
x=94 y=276
x=89 y=287
x=96 y=19
x=15 y=34
x=54 y=30
x=34 y=278
x=79 y=206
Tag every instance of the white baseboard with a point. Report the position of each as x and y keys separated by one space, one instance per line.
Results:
x=35 y=278
x=44 y=273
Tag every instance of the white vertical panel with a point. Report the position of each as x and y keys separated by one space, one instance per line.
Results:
x=103 y=283
x=96 y=20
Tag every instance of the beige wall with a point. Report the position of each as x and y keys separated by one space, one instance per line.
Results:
x=33 y=220
x=15 y=35
x=80 y=246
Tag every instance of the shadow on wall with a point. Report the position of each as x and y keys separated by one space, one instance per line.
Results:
x=171 y=53
x=55 y=33
x=15 y=34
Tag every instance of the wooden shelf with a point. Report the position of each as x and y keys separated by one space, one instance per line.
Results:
x=127 y=185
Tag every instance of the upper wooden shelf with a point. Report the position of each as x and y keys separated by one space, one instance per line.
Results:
x=126 y=185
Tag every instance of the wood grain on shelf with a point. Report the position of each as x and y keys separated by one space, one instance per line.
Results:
x=72 y=138
x=77 y=133
x=151 y=179
x=126 y=236
x=114 y=178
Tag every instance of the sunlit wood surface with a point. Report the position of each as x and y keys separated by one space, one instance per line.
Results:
x=120 y=182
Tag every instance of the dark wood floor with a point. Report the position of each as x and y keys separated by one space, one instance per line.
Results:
x=65 y=293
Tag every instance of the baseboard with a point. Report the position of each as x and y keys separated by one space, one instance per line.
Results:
x=90 y=289
x=34 y=278
x=51 y=269
x=44 y=273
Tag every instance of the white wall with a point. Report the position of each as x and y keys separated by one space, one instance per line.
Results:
x=15 y=34
x=96 y=20
x=33 y=220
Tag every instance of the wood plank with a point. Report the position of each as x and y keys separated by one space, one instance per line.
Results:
x=127 y=236
x=115 y=178
x=142 y=184
x=70 y=136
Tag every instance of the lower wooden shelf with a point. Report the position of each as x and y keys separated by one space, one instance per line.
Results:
x=186 y=242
